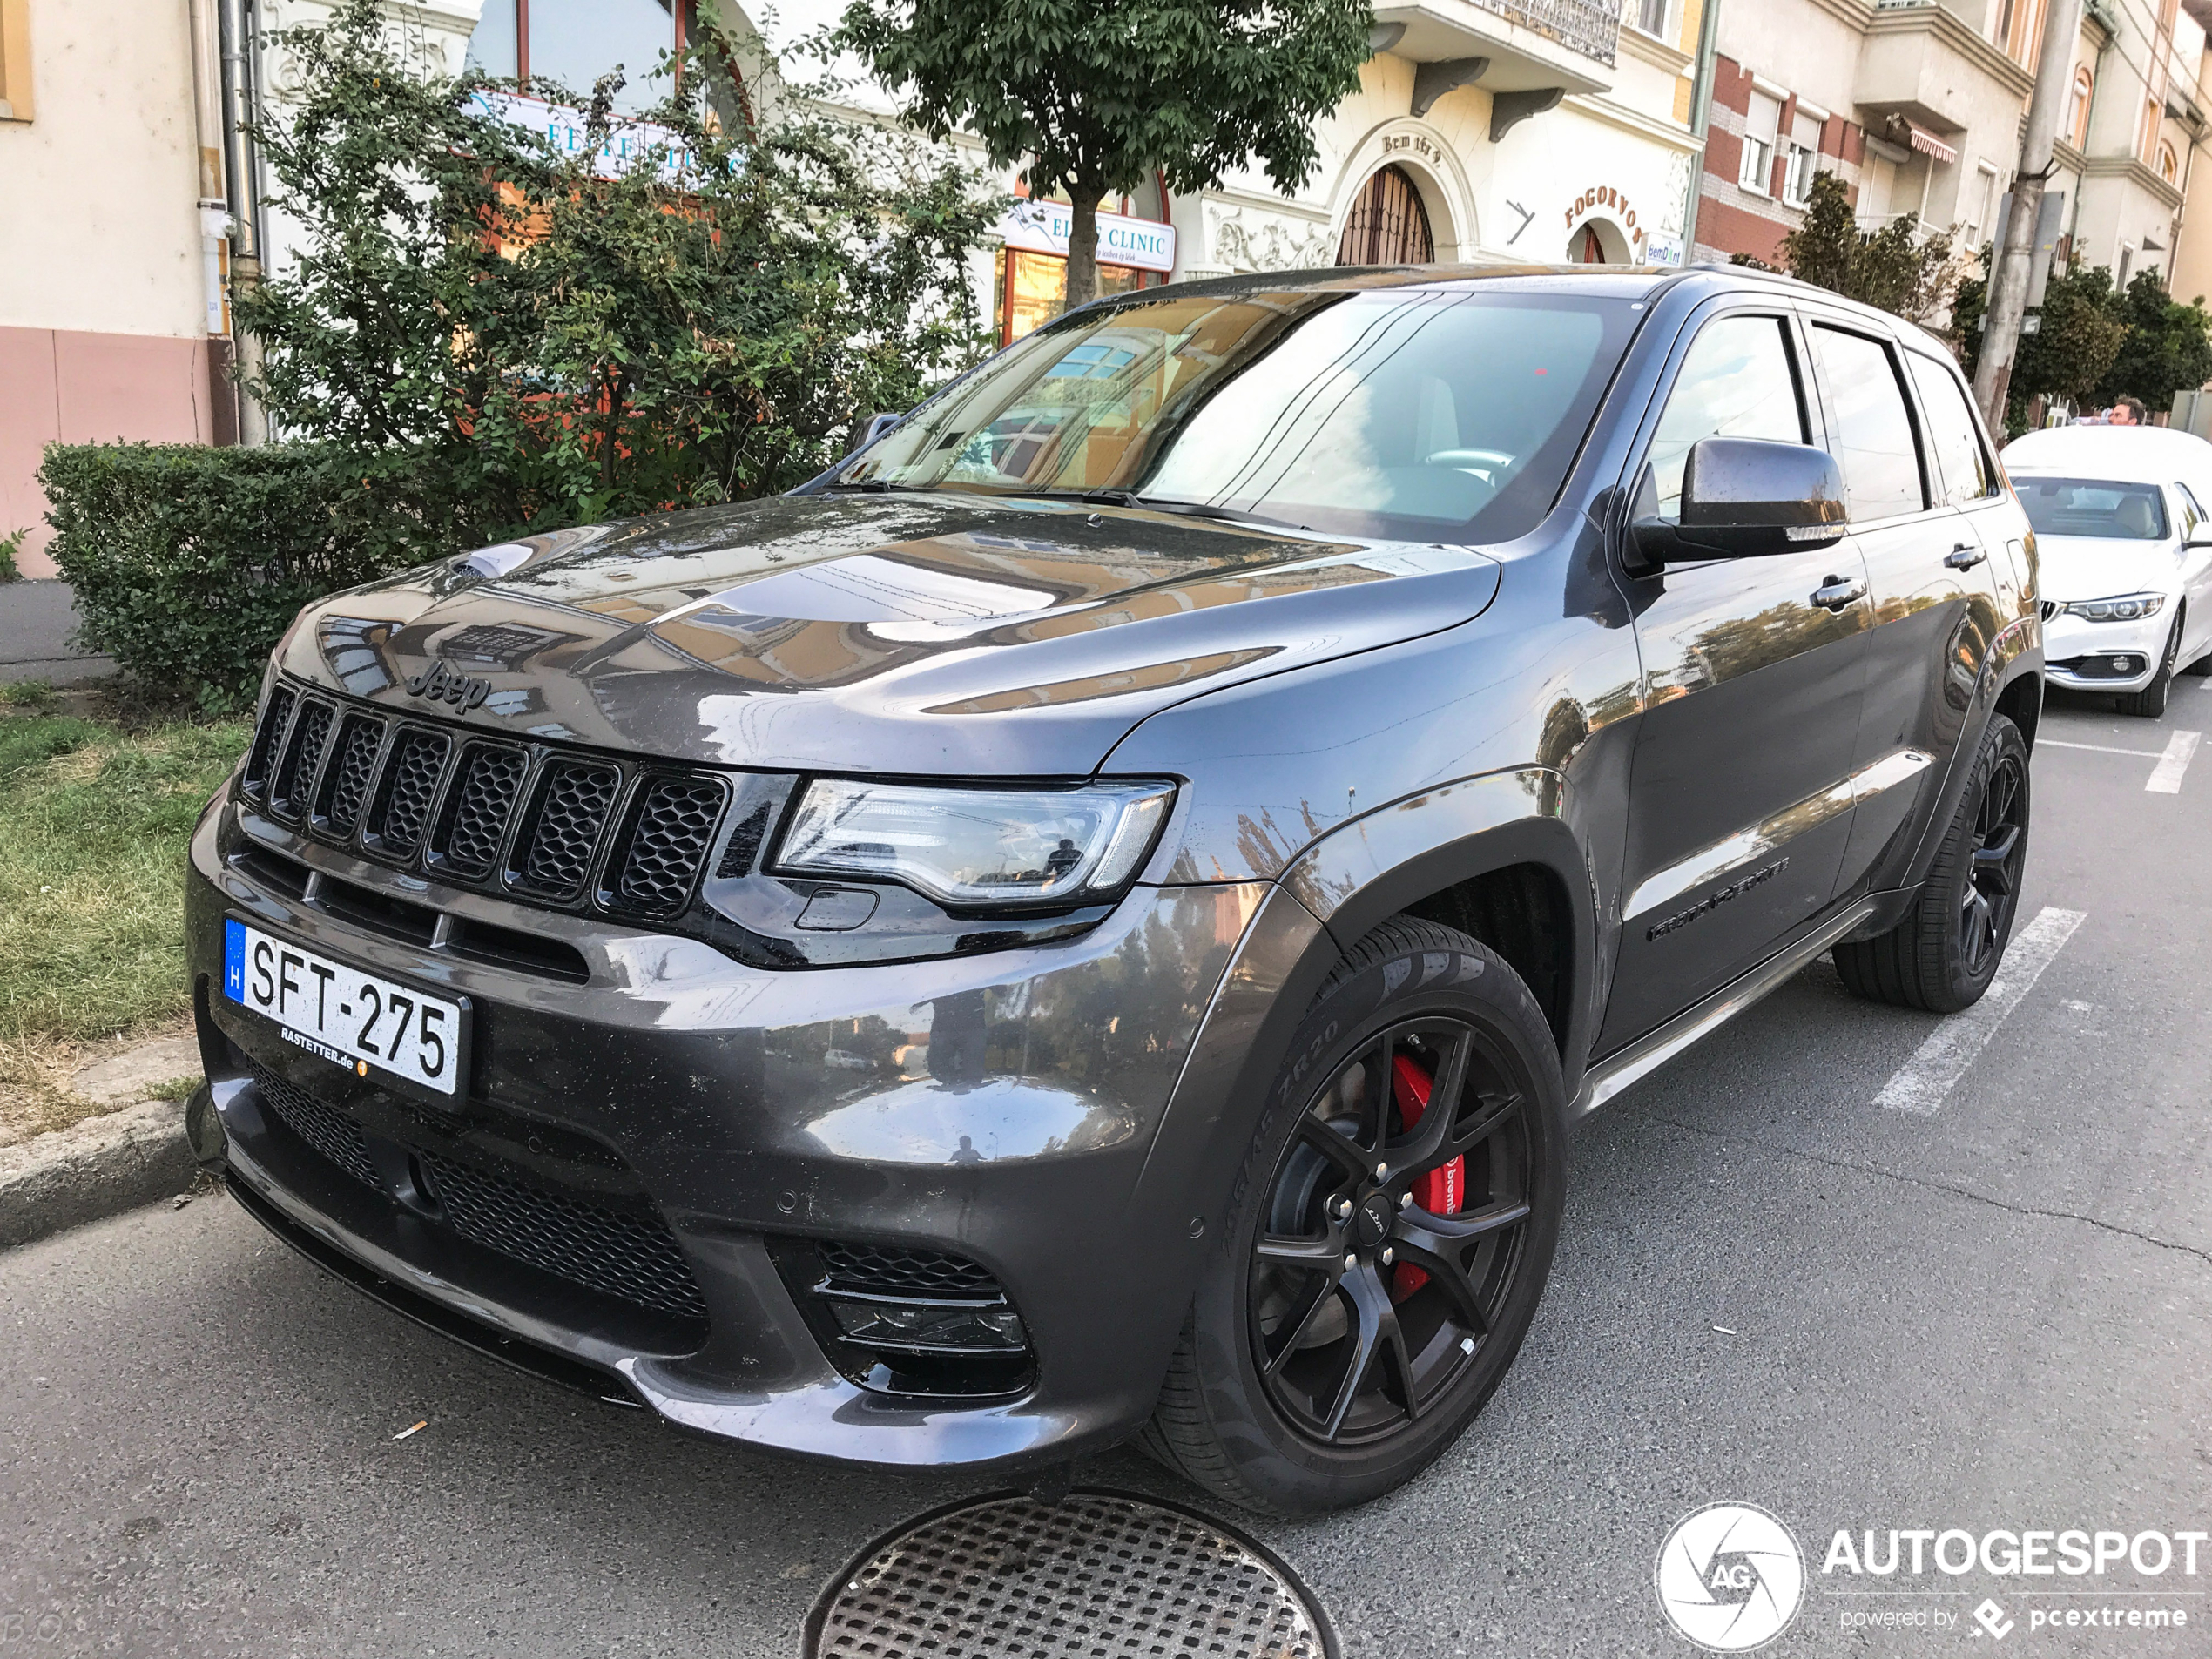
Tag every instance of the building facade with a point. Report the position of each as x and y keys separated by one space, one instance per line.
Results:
x=109 y=325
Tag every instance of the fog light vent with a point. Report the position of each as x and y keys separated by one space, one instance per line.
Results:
x=1098 y=1574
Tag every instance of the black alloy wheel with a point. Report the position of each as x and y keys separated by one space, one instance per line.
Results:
x=1386 y=1240
x=1992 y=889
x=1945 y=950
x=1366 y=1303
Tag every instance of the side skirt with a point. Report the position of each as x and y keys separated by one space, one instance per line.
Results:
x=1609 y=1077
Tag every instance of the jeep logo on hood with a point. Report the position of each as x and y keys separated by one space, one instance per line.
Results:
x=437 y=681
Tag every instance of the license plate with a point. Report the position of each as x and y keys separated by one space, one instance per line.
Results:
x=360 y=1020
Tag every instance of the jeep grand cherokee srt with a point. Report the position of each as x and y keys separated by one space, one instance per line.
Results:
x=1094 y=917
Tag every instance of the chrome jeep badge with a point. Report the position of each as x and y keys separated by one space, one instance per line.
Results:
x=463 y=690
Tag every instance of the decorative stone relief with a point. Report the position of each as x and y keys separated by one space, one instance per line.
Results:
x=1242 y=240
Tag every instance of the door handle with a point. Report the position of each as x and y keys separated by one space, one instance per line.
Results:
x=1837 y=592
x=1964 y=556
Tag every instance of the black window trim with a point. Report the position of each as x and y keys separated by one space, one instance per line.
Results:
x=1843 y=323
x=1996 y=490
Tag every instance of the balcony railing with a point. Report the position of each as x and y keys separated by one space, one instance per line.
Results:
x=1590 y=27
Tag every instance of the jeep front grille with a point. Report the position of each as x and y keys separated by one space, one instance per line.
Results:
x=539 y=823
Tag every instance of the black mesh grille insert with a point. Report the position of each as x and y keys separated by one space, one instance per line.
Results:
x=296 y=771
x=888 y=1270
x=410 y=785
x=634 y=1257
x=572 y=811
x=266 y=739
x=346 y=785
x=668 y=842
x=324 y=1127
x=481 y=805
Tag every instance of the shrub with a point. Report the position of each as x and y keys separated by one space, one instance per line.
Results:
x=189 y=562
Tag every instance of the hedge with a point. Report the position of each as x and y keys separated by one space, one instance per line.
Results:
x=188 y=563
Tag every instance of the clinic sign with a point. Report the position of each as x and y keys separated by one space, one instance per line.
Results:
x=1043 y=228
x=624 y=144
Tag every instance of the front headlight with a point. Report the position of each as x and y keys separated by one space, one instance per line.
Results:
x=977 y=847
x=2132 y=607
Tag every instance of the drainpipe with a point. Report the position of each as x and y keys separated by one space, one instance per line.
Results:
x=1701 y=115
x=214 y=213
x=243 y=199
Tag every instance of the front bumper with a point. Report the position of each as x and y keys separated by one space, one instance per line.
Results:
x=2081 y=655
x=998 y=1109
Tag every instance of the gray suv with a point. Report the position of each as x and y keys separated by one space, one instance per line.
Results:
x=1094 y=918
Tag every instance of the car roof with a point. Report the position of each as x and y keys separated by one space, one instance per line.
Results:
x=2138 y=455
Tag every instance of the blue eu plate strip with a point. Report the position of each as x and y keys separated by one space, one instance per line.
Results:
x=234 y=960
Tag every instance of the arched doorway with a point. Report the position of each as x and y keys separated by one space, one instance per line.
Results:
x=1388 y=224
x=1598 y=241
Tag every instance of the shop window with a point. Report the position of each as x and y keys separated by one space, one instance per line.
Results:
x=575 y=42
x=1388 y=224
x=1031 y=289
x=1761 y=123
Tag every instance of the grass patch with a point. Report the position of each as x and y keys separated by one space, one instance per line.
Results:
x=94 y=822
x=175 y=1089
x=26 y=694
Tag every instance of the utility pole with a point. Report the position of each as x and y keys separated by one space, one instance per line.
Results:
x=2008 y=283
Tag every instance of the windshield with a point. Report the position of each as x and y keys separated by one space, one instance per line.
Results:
x=2093 y=507
x=1417 y=413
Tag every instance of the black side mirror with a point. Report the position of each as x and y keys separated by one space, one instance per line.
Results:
x=1743 y=498
x=866 y=428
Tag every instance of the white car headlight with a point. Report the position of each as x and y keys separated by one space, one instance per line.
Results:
x=977 y=847
x=2131 y=607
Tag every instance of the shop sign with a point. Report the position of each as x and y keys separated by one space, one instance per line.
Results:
x=1615 y=205
x=568 y=130
x=1043 y=228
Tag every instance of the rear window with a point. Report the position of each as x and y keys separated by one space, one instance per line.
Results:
x=2097 y=508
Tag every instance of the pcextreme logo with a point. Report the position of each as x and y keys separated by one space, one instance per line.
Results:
x=1730 y=1577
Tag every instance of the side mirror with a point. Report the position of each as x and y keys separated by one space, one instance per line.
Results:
x=2200 y=536
x=1744 y=498
x=866 y=428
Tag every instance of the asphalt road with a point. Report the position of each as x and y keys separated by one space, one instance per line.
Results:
x=36 y=619
x=1994 y=1314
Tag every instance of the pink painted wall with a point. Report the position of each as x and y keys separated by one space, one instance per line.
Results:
x=60 y=385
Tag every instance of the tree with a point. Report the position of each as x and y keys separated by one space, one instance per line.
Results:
x=1894 y=267
x=1090 y=95
x=2082 y=329
x=508 y=334
x=2167 y=346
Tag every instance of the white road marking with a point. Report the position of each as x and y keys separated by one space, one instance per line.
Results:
x=2166 y=776
x=1921 y=1084
x=2097 y=748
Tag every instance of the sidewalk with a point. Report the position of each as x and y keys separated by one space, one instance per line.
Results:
x=36 y=618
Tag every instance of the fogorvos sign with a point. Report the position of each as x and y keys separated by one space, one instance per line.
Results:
x=1613 y=204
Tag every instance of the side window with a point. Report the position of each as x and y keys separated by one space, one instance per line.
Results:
x=1967 y=475
x=1873 y=436
x=1735 y=383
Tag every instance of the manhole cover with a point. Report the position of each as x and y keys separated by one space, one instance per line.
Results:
x=1098 y=1576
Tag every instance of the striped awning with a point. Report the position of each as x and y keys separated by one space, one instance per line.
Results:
x=1928 y=145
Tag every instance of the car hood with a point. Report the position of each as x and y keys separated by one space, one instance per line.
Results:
x=2087 y=567
x=926 y=634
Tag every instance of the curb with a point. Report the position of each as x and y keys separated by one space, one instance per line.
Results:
x=93 y=1169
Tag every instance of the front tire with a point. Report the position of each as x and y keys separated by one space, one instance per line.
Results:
x=2150 y=702
x=1942 y=956
x=1388 y=1237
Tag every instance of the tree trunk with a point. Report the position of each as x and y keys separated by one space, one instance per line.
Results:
x=612 y=431
x=1083 y=246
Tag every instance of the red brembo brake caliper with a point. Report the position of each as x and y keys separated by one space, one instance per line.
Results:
x=1441 y=1191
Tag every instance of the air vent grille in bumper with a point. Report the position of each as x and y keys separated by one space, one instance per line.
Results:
x=887 y=1270
x=330 y=1131
x=628 y=1257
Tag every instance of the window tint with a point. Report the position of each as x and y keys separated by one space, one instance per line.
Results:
x=1735 y=383
x=1968 y=475
x=1872 y=440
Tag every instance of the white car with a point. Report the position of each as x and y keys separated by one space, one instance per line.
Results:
x=2123 y=538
